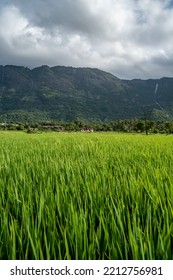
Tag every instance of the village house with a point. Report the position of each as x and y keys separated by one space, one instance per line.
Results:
x=87 y=129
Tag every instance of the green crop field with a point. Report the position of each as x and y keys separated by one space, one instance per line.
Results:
x=86 y=196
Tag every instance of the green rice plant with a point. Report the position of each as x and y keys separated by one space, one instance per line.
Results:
x=86 y=196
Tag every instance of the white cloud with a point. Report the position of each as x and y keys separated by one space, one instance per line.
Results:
x=130 y=38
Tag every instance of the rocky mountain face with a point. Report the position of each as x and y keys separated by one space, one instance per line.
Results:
x=65 y=93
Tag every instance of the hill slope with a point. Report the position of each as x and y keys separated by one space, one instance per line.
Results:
x=65 y=93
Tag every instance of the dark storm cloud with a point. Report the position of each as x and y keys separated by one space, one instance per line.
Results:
x=74 y=15
x=130 y=38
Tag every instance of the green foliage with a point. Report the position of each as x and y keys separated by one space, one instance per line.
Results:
x=132 y=125
x=66 y=93
x=86 y=196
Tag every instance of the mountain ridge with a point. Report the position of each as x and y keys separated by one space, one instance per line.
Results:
x=64 y=93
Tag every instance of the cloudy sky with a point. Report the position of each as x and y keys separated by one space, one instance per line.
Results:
x=129 y=38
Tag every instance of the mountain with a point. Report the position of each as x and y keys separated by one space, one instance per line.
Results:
x=66 y=93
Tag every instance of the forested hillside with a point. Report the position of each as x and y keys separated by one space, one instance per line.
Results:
x=66 y=93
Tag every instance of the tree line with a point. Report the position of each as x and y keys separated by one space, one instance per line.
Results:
x=144 y=126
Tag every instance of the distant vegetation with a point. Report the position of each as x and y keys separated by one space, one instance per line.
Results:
x=66 y=93
x=144 y=126
x=86 y=196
